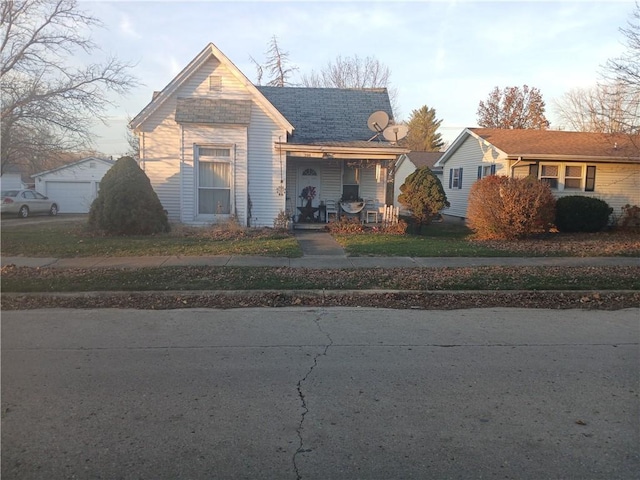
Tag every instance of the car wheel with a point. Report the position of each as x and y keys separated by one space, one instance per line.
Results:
x=23 y=212
x=54 y=210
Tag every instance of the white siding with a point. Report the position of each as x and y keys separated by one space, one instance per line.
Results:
x=405 y=169
x=264 y=171
x=616 y=184
x=232 y=136
x=469 y=156
x=171 y=169
x=370 y=188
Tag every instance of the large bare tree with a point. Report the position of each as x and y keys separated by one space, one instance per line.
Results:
x=353 y=72
x=49 y=105
x=513 y=107
x=605 y=108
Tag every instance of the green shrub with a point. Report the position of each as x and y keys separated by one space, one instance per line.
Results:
x=577 y=213
x=126 y=203
x=423 y=195
x=509 y=208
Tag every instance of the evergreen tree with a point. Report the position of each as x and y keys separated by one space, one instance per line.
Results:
x=422 y=193
x=127 y=203
x=423 y=131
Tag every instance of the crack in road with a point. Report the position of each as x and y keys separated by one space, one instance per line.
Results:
x=303 y=400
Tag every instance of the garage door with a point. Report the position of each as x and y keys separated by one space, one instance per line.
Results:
x=71 y=197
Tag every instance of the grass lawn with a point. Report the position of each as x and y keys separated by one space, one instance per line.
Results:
x=66 y=240
x=22 y=279
x=446 y=239
x=452 y=239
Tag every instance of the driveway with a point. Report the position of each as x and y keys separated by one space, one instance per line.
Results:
x=308 y=393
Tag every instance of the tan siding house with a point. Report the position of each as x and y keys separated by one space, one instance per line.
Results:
x=598 y=165
x=216 y=147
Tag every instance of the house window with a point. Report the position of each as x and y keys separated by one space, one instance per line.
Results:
x=214 y=180
x=350 y=183
x=590 y=180
x=572 y=177
x=455 y=178
x=92 y=164
x=563 y=177
x=549 y=174
x=486 y=170
x=215 y=83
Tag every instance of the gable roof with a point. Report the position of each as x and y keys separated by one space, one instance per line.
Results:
x=322 y=115
x=209 y=51
x=554 y=144
x=73 y=164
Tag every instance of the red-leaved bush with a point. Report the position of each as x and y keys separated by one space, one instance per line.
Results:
x=510 y=208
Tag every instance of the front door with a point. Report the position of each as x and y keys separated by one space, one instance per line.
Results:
x=309 y=185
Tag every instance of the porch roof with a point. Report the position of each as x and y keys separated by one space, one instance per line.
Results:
x=359 y=149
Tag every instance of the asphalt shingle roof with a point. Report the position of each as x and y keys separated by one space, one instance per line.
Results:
x=553 y=142
x=424 y=159
x=321 y=115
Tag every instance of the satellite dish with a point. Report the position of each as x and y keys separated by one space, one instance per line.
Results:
x=393 y=133
x=378 y=121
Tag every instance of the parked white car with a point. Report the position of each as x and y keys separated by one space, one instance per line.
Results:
x=26 y=202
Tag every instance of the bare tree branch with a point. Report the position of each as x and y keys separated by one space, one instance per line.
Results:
x=47 y=105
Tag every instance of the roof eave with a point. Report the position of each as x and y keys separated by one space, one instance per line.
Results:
x=573 y=158
x=342 y=152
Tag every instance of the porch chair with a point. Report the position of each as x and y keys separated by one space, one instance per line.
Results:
x=371 y=208
x=332 y=209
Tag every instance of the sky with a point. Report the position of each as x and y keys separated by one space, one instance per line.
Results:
x=447 y=55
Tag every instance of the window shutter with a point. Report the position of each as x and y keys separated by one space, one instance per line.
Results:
x=533 y=170
x=450 y=177
x=479 y=172
x=460 y=178
x=590 y=183
x=493 y=169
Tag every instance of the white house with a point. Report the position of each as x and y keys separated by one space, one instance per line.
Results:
x=606 y=166
x=73 y=186
x=409 y=163
x=215 y=146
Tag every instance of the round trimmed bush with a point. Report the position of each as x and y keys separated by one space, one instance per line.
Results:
x=509 y=208
x=423 y=195
x=127 y=203
x=577 y=213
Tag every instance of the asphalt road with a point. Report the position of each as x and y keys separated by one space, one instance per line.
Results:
x=320 y=394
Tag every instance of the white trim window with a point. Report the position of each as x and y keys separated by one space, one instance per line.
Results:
x=214 y=180
x=568 y=176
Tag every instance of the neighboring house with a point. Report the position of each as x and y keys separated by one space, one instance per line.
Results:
x=606 y=166
x=11 y=179
x=215 y=146
x=409 y=163
x=73 y=186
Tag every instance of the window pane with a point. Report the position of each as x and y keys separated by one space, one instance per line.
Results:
x=214 y=201
x=214 y=152
x=552 y=182
x=572 y=183
x=213 y=174
x=574 y=172
x=350 y=175
x=549 y=171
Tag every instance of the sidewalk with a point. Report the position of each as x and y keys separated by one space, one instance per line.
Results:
x=317 y=262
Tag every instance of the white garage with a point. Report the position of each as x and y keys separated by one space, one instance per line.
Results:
x=73 y=186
